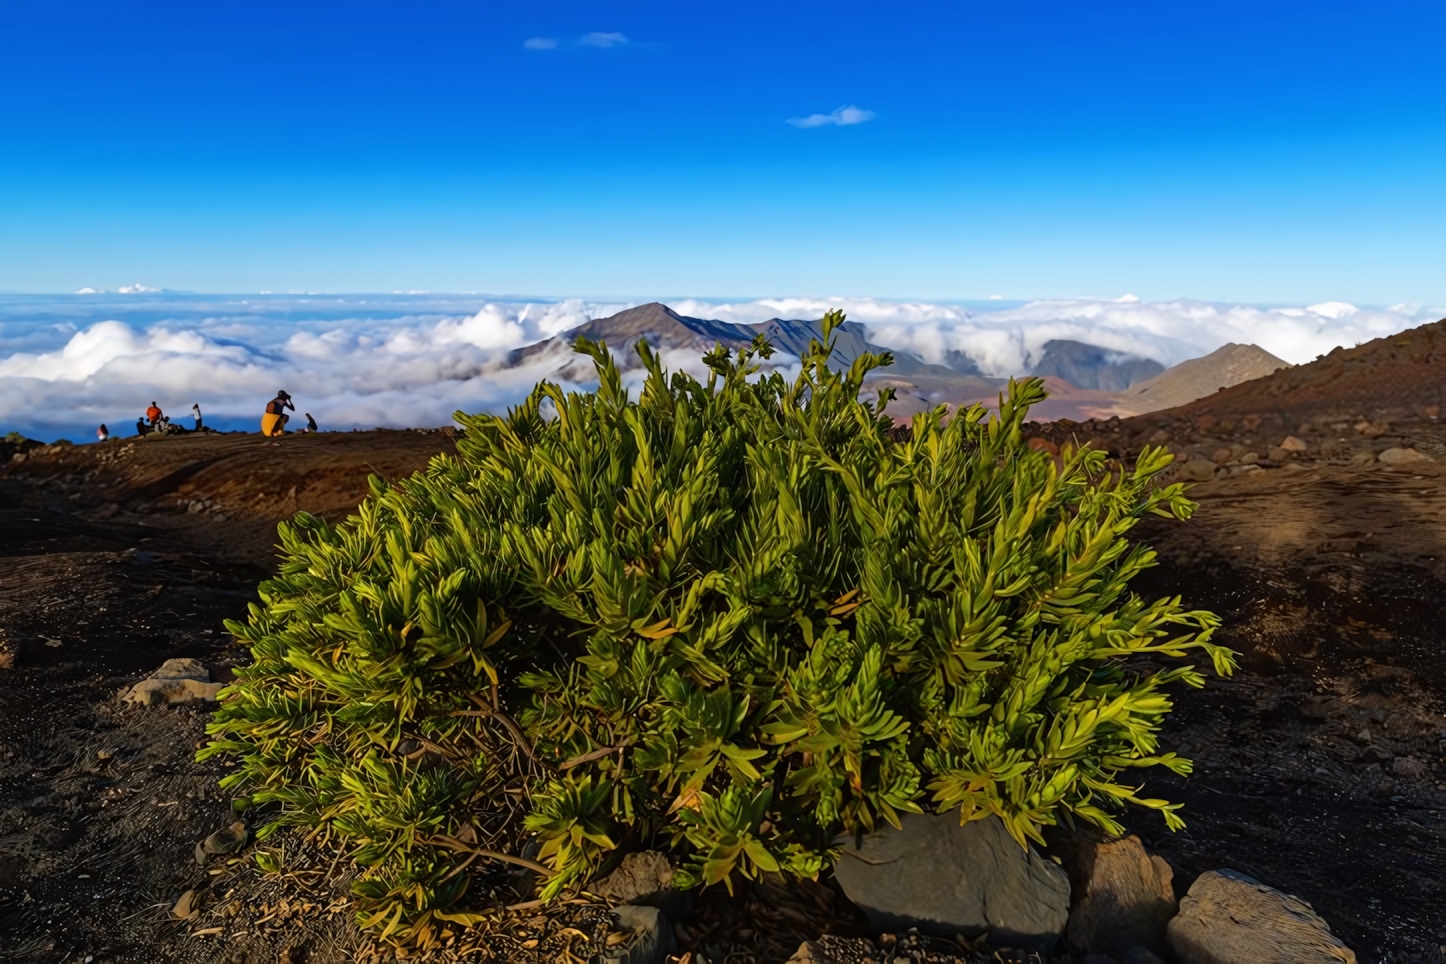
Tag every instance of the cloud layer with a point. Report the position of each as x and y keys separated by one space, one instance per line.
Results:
x=68 y=363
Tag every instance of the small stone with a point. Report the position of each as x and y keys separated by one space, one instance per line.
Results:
x=187 y=907
x=1228 y=917
x=1222 y=456
x=1292 y=443
x=1249 y=458
x=1279 y=454
x=226 y=840
x=1197 y=470
x=1400 y=456
x=1408 y=766
x=644 y=878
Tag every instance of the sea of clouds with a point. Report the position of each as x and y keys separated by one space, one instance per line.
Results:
x=68 y=363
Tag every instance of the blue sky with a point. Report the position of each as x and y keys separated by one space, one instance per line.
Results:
x=1263 y=151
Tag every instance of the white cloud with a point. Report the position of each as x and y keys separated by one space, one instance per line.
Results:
x=87 y=291
x=137 y=289
x=842 y=117
x=540 y=43
x=604 y=40
x=415 y=361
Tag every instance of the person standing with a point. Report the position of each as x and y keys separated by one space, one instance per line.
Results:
x=275 y=419
x=102 y=433
x=196 y=414
x=153 y=415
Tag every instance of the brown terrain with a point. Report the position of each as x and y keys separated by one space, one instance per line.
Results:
x=1319 y=764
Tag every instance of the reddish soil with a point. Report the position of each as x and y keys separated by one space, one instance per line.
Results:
x=1320 y=767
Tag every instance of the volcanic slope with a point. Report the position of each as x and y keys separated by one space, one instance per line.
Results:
x=1399 y=376
x=1224 y=367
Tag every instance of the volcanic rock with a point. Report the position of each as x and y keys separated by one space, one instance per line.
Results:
x=1228 y=917
x=1123 y=896
x=644 y=878
x=947 y=879
x=1408 y=766
x=177 y=681
x=1400 y=456
x=1196 y=470
x=224 y=841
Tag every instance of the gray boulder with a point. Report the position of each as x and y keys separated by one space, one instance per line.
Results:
x=1228 y=918
x=947 y=879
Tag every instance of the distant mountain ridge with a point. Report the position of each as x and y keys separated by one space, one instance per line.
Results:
x=917 y=383
x=1084 y=380
x=1092 y=367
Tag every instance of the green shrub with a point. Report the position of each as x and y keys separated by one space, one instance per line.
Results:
x=732 y=619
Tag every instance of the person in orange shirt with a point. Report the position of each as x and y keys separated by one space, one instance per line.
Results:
x=275 y=419
x=153 y=414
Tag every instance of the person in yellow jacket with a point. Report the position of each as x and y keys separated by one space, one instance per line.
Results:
x=275 y=419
